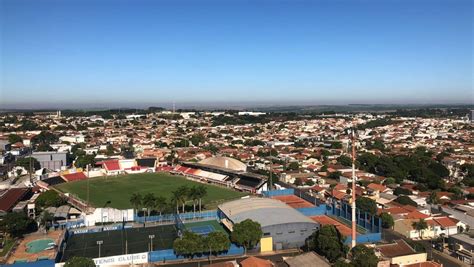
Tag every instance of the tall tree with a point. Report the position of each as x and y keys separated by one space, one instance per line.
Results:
x=183 y=195
x=387 y=220
x=17 y=224
x=217 y=242
x=189 y=244
x=420 y=226
x=176 y=199
x=160 y=204
x=366 y=204
x=14 y=138
x=247 y=234
x=25 y=163
x=136 y=201
x=194 y=196
x=328 y=242
x=79 y=262
x=49 y=198
x=363 y=256
x=149 y=202
x=46 y=219
x=433 y=197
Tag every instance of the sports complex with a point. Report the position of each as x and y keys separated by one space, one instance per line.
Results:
x=116 y=235
x=119 y=189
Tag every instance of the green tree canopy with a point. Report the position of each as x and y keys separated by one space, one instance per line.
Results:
x=344 y=160
x=363 y=256
x=401 y=191
x=365 y=204
x=294 y=165
x=83 y=160
x=198 y=139
x=420 y=226
x=14 y=138
x=50 y=198
x=17 y=224
x=405 y=200
x=25 y=163
x=387 y=220
x=45 y=137
x=247 y=233
x=217 y=242
x=327 y=241
x=79 y=262
x=189 y=244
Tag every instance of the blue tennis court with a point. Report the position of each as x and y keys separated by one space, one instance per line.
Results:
x=202 y=230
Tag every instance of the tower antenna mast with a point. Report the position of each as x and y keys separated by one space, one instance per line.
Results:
x=354 y=224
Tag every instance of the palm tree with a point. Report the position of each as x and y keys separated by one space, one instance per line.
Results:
x=420 y=226
x=176 y=198
x=433 y=198
x=149 y=202
x=136 y=201
x=194 y=195
x=160 y=204
x=183 y=195
x=47 y=219
x=202 y=192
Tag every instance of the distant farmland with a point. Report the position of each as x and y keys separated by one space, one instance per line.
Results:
x=119 y=189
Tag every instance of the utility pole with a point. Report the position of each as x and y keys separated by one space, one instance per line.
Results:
x=354 y=223
x=100 y=242
x=88 y=184
x=270 y=182
x=31 y=155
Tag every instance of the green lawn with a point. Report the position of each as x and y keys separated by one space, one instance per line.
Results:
x=8 y=245
x=120 y=188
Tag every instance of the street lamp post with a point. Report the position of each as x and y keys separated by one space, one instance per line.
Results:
x=100 y=242
x=151 y=241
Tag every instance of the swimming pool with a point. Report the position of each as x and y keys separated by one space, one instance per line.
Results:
x=39 y=245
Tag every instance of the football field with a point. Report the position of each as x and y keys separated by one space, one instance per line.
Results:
x=119 y=189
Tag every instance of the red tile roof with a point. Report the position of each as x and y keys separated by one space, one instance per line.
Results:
x=256 y=262
x=399 y=248
x=416 y=215
x=446 y=221
x=9 y=199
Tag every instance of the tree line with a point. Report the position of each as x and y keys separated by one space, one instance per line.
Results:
x=246 y=234
x=179 y=198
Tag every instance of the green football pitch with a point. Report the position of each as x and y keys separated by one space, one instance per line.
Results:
x=119 y=189
x=118 y=242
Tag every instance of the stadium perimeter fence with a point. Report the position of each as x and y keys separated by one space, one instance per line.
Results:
x=171 y=218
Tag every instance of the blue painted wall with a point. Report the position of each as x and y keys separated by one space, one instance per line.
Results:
x=169 y=255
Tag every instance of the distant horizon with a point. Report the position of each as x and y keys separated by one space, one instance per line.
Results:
x=123 y=52
x=218 y=105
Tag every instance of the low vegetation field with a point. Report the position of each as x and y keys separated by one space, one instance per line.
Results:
x=119 y=189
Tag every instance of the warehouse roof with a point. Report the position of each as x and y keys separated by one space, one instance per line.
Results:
x=266 y=211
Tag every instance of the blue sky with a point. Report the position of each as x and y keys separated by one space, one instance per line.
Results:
x=108 y=52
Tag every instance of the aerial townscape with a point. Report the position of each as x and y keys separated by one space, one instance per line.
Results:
x=263 y=133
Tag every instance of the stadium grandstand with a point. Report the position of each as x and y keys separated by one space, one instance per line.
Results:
x=223 y=171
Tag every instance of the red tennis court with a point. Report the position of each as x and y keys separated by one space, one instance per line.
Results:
x=294 y=201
